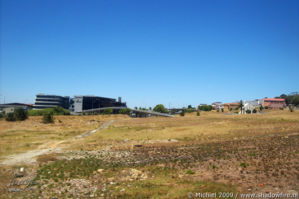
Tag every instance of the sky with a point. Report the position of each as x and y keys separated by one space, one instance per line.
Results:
x=149 y=52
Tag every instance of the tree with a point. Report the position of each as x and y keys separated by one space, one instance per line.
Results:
x=241 y=106
x=295 y=100
x=20 y=114
x=160 y=108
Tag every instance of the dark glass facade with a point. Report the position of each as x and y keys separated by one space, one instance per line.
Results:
x=50 y=101
x=82 y=103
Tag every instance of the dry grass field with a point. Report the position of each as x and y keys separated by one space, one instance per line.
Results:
x=150 y=157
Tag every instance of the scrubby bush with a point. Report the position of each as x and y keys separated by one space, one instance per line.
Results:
x=248 y=111
x=280 y=108
x=190 y=172
x=108 y=111
x=189 y=110
x=20 y=114
x=198 y=113
x=254 y=111
x=261 y=107
x=10 y=117
x=182 y=113
x=160 y=108
x=222 y=110
x=205 y=108
x=48 y=118
x=55 y=111
x=1 y=115
x=125 y=111
x=266 y=107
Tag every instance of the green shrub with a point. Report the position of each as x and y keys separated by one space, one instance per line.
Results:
x=48 y=118
x=248 y=111
x=1 y=115
x=55 y=111
x=190 y=172
x=244 y=165
x=266 y=107
x=254 y=111
x=21 y=114
x=108 y=111
x=10 y=117
x=280 y=108
x=198 y=113
x=189 y=110
x=291 y=108
x=222 y=110
x=182 y=113
x=205 y=108
x=125 y=111
x=261 y=107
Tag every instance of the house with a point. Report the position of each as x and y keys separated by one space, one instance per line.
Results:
x=233 y=105
x=217 y=105
x=251 y=105
x=11 y=107
x=274 y=103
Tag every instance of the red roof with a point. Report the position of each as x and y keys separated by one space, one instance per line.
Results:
x=274 y=99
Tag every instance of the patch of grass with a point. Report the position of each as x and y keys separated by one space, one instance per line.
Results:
x=244 y=165
x=190 y=172
x=64 y=169
x=164 y=183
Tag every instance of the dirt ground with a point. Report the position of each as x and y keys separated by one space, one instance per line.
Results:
x=92 y=157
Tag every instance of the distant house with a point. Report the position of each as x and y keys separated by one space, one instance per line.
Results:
x=274 y=103
x=11 y=107
x=251 y=105
x=217 y=105
x=233 y=105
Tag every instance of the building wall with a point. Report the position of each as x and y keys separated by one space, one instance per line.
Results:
x=82 y=103
x=78 y=104
x=9 y=110
x=276 y=103
x=50 y=101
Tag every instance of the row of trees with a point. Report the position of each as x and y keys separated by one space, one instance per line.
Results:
x=21 y=114
x=293 y=98
x=54 y=111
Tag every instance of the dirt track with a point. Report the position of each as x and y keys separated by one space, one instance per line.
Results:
x=29 y=157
